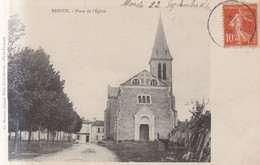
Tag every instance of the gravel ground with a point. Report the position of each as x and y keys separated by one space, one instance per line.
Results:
x=79 y=153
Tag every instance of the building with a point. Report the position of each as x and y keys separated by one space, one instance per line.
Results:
x=90 y=132
x=84 y=136
x=98 y=131
x=143 y=107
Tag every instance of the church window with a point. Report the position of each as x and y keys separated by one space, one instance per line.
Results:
x=153 y=82
x=159 y=71
x=157 y=52
x=139 y=99
x=136 y=82
x=144 y=99
x=164 y=71
x=148 y=99
x=166 y=51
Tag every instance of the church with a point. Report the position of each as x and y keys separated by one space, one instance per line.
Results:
x=143 y=107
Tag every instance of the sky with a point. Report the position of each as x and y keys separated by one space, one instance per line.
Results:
x=92 y=50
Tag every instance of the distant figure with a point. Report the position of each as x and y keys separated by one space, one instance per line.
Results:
x=241 y=36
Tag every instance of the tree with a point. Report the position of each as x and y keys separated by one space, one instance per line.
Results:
x=201 y=118
x=36 y=99
x=43 y=84
x=197 y=130
x=16 y=30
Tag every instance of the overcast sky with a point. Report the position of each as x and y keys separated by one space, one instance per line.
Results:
x=92 y=51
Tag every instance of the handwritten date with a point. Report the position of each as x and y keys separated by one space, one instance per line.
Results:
x=140 y=4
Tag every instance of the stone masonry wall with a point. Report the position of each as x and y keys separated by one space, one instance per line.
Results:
x=154 y=70
x=110 y=117
x=128 y=106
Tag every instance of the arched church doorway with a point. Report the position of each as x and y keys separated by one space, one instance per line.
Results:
x=144 y=125
x=144 y=132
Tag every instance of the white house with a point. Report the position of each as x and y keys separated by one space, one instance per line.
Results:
x=91 y=132
x=84 y=136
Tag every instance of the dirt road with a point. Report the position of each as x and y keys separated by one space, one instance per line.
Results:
x=80 y=153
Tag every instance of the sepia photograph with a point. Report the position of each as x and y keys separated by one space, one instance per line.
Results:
x=128 y=81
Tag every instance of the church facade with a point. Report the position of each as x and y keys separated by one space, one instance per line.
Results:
x=143 y=107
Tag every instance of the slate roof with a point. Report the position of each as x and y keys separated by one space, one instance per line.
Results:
x=160 y=48
x=86 y=122
x=113 y=91
x=98 y=123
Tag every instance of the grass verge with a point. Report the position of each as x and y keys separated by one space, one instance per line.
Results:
x=24 y=153
x=132 y=151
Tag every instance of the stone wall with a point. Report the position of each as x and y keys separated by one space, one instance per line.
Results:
x=95 y=135
x=160 y=107
x=110 y=117
x=154 y=70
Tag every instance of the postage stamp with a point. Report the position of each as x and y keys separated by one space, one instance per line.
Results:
x=240 y=25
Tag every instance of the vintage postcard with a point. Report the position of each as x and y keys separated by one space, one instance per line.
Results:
x=154 y=81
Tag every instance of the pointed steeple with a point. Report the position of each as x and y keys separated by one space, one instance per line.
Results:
x=160 y=48
x=161 y=59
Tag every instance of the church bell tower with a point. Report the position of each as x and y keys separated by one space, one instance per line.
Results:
x=161 y=59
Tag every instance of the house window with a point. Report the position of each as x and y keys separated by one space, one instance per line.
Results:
x=159 y=71
x=153 y=82
x=103 y=130
x=97 y=137
x=136 y=82
x=164 y=71
x=98 y=130
x=78 y=137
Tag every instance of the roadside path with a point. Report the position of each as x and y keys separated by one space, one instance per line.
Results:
x=79 y=153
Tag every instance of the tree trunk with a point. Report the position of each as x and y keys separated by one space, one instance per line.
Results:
x=53 y=133
x=60 y=136
x=39 y=137
x=69 y=137
x=57 y=133
x=29 y=138
x=48 y=133
x=16 y=134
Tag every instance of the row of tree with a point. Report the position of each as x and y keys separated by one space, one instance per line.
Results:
x=36 y=97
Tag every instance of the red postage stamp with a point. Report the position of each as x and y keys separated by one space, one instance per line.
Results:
x=240 y=25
